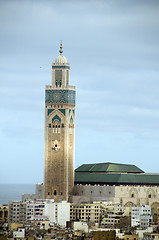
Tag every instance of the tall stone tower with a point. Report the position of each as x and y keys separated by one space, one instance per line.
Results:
x=59 y=132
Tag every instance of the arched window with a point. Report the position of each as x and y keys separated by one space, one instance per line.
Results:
x=55 y=193
x=56 y=83
x=58 y=129
x=56 y=124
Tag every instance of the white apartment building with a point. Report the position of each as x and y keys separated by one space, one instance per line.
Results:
x=62 y=213
x=39 y=210
x=35 y=210
x=141 y=216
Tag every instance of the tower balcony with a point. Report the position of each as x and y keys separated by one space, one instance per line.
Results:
x=63 y=88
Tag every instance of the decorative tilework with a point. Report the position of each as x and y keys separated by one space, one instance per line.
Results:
x=72 y=111
x=71 y=120
x=50 y=111
x=56 y=117
x=60 y=96
x=62 y=110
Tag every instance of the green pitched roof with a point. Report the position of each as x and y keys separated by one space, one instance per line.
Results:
x=116 y=178
x=113 y=173
x=109 y=167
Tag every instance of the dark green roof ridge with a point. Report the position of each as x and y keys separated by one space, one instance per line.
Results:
x=109 y=167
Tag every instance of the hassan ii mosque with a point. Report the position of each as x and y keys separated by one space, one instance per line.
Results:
x=123 y=183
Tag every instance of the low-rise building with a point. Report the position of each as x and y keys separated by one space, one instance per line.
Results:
x=35 y=209
x=20 y=233
x=141 y=232
x=39 y=210
x=80 y=226
x=141 y=216
x=131 y=237
x=91 y=212
x=102 y=235
x=62 y=212
x=106 y=214
x=17 y=212
x=113 y=213
x=3 y=213
x=151 y=236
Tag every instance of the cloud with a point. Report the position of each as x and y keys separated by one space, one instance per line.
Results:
x=112 y=47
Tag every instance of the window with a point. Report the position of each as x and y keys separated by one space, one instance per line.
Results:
x=71 y=130
x=55 y=193
x=58 y=129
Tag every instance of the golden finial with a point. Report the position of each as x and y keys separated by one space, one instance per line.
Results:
x=61 y=51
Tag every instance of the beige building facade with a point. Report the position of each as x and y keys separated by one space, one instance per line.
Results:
x=59 y=132
x=127 y=195
x=86 y=212
x=137 y=195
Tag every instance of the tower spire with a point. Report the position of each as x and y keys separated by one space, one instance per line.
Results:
x=61 y=51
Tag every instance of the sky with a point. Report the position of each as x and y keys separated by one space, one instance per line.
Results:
x=113 y=50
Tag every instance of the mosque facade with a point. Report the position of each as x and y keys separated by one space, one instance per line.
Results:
x=59 y=132
x=123 y=183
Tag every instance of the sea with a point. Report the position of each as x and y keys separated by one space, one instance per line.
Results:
x=13 y=192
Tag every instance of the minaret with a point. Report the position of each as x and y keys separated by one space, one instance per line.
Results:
x=59 y=132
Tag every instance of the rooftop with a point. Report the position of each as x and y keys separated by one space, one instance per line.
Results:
x=114 y=173
x=109 y=167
